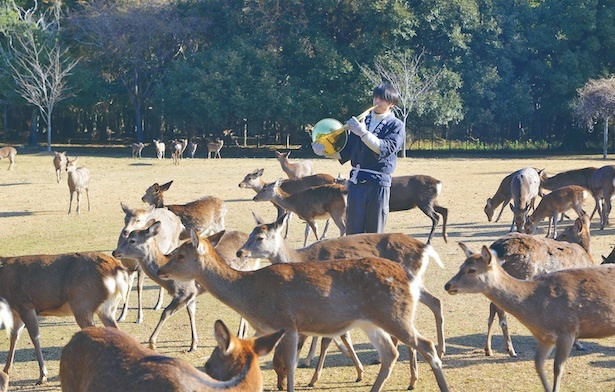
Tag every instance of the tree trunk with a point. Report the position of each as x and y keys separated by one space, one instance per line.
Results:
x=33 y=138
x=605 y=140
x=49 y=130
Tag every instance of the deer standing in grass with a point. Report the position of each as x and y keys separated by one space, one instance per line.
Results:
x=322 y=201
x=136 y=149
x=295 y=169
x=160 y=148
x=255 y=182
x=104 y=359
x=206 y=215
x=214 y=148
x=502 y=196
x=168 y=240
x=59 y=163
x=266 y=241
x=78 y=182
x=524 y=256
x=192 y=146
x=602 y=185
x=557 y=308
x=8 y=152
x=78 y=284
x=376 y=295
x=554 y=204
x=524 y=188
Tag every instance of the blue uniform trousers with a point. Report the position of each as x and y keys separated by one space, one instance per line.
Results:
x=367 y=207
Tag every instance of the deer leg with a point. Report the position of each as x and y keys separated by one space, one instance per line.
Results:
x=444 y=212
x=435 y=305
x=70 y=202
x=324 y=231
x=386 y=351
x=131 y=280
x=542 y=352
x=562 y=351
x=324 y=346
x=502 y=209
x=170 y=310
x=492 y=312
x=427 y=349
x=288 y=350
x=555 y=221
x=30 y=320
x=339 y=222
x=242 y=332
x=78 y=202
x=506 y=335
x=353 y=355
x=18 y=326
x=428 y=210
x=312 y=224
x=308 y=359
x=191 y=308
x=87 y=194
x=160 y=299
x=140 y=280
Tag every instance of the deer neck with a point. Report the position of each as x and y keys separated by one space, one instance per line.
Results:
x=510 y=294
x=152 y=260
x=159 y=203
x=217 y=277
x=286 y=254
x=257 y=187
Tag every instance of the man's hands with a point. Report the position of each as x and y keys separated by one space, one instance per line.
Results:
x=356 y=127
x=319 y=149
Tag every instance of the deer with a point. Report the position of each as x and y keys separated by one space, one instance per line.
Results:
x=296 y=169
x=557 y=308
x=602 y=186
x=168 y=240
x=327 y=200
x=524 y=256
x=552 y=204
x=206 y=214
x=502 y=196
x=78 y=284
x=266 y=241
x=581 y=177
x=192 y=146
x=214 y=148
x=177 y=149
x=6 y=320
x=160 y=148
x=374 y=294
x=105 y=359
x=136 y=149
x=524 y=188
x=59 y=163
x=8 y=152
x=254 y=181
x=78 y=182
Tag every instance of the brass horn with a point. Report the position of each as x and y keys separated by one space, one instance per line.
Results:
x=332 y=134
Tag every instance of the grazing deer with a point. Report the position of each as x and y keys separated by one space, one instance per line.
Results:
x=215 y=147
x=104 y=359
x=581 y=177
x=78 y=182
x=160 y=148
x=255 y=182
x=136 y=149
x=168 y=240
x=266 y=241
x=524 y=256
x=6 y=320
x=142 y=245
x=557 y=308
x=8 y=152
x=78 y=284
x=524 y=188
x=296 y=169
x=551 y=205
x=602 y=184
x=192 y=146
x=205 y=215
x=408 y=192
x=322 y=201
x=502 y=196
x=376 y=295
x=59 y=163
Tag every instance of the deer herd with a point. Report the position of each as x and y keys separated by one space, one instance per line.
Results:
x=373 y=282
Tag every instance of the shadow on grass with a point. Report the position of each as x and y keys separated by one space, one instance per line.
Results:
x=11 y=214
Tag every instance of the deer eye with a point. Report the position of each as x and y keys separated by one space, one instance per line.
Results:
x=131 y=241
x=471 y=271
x=180 y=257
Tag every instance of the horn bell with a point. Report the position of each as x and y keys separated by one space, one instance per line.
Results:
x=330 y=133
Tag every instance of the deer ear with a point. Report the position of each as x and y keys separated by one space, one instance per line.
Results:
x=264 y=344
x=125 y=208
x=152 y=227
x=257 y=219
x=165 y=187
x=485 y=253
x=280 y=222
x=215 y=238
x=223 y=337
x=469 y=252
x=259 y=172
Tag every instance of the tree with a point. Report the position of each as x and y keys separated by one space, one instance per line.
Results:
x=39 y=62
x=418 y=86
x=596 y=101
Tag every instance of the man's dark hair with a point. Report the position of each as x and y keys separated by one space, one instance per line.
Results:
x=388 y=92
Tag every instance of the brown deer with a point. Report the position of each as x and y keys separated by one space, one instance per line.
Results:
x=104 y=359
x=557 y=308
x=214 y=148
x=502 y=196
x=525 y=256
x=206 y=215
x=581 y=177
x=551 y=205
x=136 y=149
x=78 y=182
x=376 y=295
x=295 y=169
x=168 y=240
x=322 y=201
x=524 y=188
x=8 y=152
x=160 y=148
x=266 y=241
x=59 y=163
x=602 y=184
x=255 y=182
x=78 y=284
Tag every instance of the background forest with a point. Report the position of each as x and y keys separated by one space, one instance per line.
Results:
x=508 y=71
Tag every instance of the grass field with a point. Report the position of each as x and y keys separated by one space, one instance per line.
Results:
x=33 y=220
